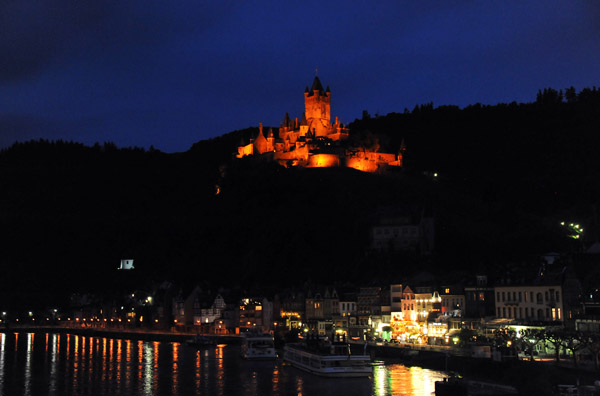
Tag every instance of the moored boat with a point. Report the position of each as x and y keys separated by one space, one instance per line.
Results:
x=327 y=358
x=258 y=347
x=200 y=341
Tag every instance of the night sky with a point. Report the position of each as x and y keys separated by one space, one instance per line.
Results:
x=171 y=73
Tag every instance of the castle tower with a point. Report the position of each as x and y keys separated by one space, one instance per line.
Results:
x=317 y=108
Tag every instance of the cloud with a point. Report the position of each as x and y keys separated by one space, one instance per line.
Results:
x=34 y=33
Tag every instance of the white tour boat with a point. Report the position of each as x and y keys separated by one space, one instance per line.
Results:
x=328 y=359
x=258 y=347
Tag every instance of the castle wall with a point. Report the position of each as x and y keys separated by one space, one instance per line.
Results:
x=245 y=150
x=323 y=160
x=370 y=161
x=297 y=157
x=362 y=164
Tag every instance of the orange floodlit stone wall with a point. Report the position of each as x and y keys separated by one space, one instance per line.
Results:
x=323 y=161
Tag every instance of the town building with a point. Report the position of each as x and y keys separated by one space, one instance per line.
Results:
x=289 y=308
x=400 y=228
x=479 y=298
x=453 y=301
x=321 y=307
x=255 y=314
x=529 y=303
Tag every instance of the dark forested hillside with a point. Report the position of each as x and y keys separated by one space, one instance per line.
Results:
x=507 y=175
x=541 y=156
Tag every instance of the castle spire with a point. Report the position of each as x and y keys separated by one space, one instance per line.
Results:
x=316 y=85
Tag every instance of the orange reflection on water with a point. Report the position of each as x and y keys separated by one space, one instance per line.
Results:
x=83 y=348
x=175 y=367
x=92 y=355
x=399 y=380
x=127 y=362
x=110 y=359
x=198 y=370
x=75 y=363
x=104 y=360
x=276 y=379
x=140 y=346
x=155 y=345
x=220 y=371
x=299 y=386
x=118 y=367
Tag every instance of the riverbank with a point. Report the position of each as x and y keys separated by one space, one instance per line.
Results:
x=127 y=334
x=529 y=378
x=538 y=377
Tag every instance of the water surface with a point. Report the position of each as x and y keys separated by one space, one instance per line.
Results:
x=65 y=364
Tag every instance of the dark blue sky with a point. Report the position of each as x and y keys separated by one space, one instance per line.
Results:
x=171 y=73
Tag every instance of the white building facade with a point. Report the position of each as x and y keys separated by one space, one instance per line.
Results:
x=529 y=303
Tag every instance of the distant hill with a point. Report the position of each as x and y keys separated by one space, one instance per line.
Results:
x=507 y=175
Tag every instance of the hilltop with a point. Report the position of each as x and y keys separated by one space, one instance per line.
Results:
x=507 y=174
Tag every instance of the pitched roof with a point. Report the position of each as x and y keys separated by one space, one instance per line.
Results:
x=316 y=86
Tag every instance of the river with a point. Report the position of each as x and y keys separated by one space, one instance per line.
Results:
x=65 y=364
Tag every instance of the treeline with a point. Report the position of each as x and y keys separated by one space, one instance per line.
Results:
x=507 y=175
x=539 y=157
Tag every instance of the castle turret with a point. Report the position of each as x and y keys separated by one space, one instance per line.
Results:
x=260 y=143
x=270 y=140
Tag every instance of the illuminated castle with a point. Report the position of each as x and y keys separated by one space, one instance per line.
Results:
x=314 y=141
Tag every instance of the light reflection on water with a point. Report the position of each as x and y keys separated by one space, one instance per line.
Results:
x=397 y=379
x=57 y=364
x=2 y=353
